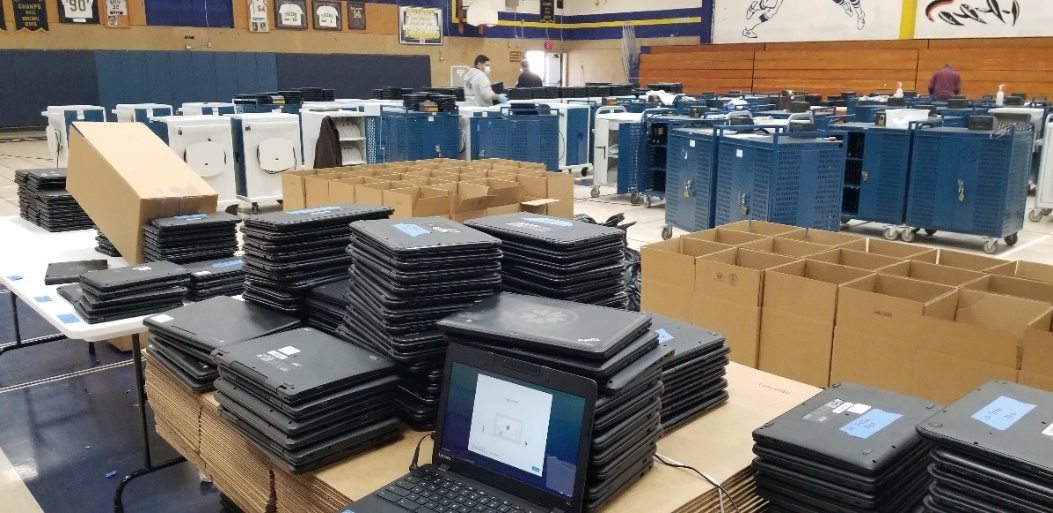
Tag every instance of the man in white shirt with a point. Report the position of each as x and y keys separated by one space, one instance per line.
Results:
x=477 y=88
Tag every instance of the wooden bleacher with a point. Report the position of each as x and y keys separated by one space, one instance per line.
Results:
x=828 y=68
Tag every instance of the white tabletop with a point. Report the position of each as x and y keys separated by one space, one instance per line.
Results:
x=28 y=249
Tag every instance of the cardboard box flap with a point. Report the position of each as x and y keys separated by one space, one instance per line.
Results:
x=832 y=239
x=470 y=197
x=505 y=192
x=418 y=201
x=787 y=247
x=1026 y=270
x=762 y=228
x=807 y=288
x=725 y=236
x=902 y=250
x=672 y=262
x=1016 y=287
x=882 y=302
x=735 y=275
x=1003 y=313
x=970 y=261
x=951 y=276
x=860 y=260
x=1037 y=357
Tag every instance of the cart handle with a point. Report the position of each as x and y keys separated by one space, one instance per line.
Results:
x=817 y=134
x=767 y=129
x=928 y=123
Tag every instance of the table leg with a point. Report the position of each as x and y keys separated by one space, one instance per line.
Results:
x=91 y=348
x=140 y=392
x=19 y=343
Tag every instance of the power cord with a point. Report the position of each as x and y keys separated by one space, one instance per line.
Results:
x=662 y=459
x=416 y=453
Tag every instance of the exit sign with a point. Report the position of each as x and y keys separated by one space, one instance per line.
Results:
x=548 y=45
x=515 y=56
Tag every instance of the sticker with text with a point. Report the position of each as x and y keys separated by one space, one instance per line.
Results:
x=868 y=425
x=1003 y=412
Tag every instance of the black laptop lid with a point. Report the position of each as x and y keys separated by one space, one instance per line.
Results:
x=308 y=217
x=302 y=363
x=220 y=321
x=1004 y=421
x=852 y=426
x=132 y=275
x=69 y=272
x=521 y=428
x=683 y=338
x=422 y=234
x=593 y=332
x=547 y=230
x=215 y=220
x=215 y=268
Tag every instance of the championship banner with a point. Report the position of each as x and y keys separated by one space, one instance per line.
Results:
x=420 y=26
x=31 y=15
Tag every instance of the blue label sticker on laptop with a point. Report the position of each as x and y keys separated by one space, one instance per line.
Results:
x=316 y=210
x=413 y=230
x=1003 y=412
x=69 y=318
x=870 y=423
x=663 y=335
x=552 y=222
x=15 y=277
x=42 y=299
x=192 y=216
x=228 y=263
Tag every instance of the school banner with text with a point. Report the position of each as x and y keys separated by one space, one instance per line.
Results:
x=31 y=15
x=420 y=25
x=939 y=19
x=769 y=21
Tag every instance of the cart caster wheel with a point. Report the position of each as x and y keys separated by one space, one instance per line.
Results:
x=845 y=220
x=1035 y=216
x=281 y=202
x=648 y=202
x=595 y=192
x=930 y=232
x=908 y=235
x=1047 y=211
x=232 y=209
x=584 y=172
x=667 y=232
x=891 y=233
x=1012 y=240
x=634 y=198
x=991 y=247
x=255 y=208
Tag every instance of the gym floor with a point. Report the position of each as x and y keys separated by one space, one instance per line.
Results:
x=68 y=425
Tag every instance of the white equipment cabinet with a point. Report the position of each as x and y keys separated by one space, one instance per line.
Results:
x=1044 y=191
x=605 y=145
x=206 y=108
x=265 y=146
x=204 y=142
x=350 y=126
x=370 y=107
x=59 y=119
x=140 y=112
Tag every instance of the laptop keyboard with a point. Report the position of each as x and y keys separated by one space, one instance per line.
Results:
x=427 y=491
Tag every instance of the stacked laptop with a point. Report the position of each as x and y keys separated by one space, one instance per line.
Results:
x=307 y=399
x=44 y=201
x=993 y=451
x=849 y=448
x=326 y=306
x=191 y=238
x=289 y=253
x=694 y=377
x=125 y=292
x=559 y=258
x=182 y=339
x=408 y=274
x=103 y=245
x=211 y=278
x=615 y=348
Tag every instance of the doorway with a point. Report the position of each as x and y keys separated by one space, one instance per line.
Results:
x=548 y=65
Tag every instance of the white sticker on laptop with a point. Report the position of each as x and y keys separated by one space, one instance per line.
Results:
x=859 y=408
x=289 y=350
x=1048 y=431
x=825 y=412
x=202 y=273
x=142 y=268
x=161 y=318
x=738 y=153
x=277 y=355
x=843 y=408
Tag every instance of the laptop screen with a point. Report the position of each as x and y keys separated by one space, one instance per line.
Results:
x=523 y=431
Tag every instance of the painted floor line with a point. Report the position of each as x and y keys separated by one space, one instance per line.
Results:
x=1023 y=246
x=62 y=377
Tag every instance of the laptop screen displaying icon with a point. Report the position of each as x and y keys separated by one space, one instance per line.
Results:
x=521 y=430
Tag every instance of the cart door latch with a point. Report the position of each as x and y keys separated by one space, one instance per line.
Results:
x=689 y=189
x=961 y=191
x=742 y=204
x=865 y=176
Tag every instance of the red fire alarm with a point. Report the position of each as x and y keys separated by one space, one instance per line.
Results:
x=548 y=45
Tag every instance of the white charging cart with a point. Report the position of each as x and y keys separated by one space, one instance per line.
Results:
x=141 y=112
x=204 y=143
x=1044 y=190
x=266 y=145
x=350 y=127
x=59 y=119
x=206 y=108
x=467 y=113
x=605 y=145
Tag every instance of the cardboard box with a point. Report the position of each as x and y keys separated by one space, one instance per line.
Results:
x=1035 y=381
x=371 y=192
x=877 y=336
x=970 y=261
x=762 y=228
x=505 y=192
x=787 y=247
x=124 y=344
x=1016 y=287
x=832 y=239
x=668 y=275
x=316 y=188
x=561 y=187
x=418 y=201
x=726 y=236
x=534 y=189
x=343 y=190
x=123 y=176
x=470 y=201
x=867 y=261
x=294 y=196
x=504 y=209
x=729 y=289
x=933 y=273
x=1026 y=270
x=798 y=318
x=982 y=342
x=901 y=250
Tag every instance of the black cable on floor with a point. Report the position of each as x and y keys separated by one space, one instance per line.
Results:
x=711 y=481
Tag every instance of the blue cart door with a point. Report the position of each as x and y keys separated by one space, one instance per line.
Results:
x=680 y=196
x=743 y=201
x=808 y=211
x=965 y=188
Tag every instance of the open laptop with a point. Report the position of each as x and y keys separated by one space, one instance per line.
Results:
x=511 y=437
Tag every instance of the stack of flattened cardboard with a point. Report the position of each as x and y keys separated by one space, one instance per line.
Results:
x=235 y=465
x=177 y=413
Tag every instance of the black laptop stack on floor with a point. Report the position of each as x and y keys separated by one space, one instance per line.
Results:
x=994 y=451
x=181 y=340
x=125 y=292
x=190 y=238
x=211 y=278
x=614 y=347
x=850 y=448
x=326 y=306
x=44 y=201
x=694 y=377
x=408 y=274
x=307 y=399
x=289 y=253
x=559 y=258
x=103 y=245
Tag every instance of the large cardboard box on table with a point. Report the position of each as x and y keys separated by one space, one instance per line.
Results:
x=825 y=238
x=902 y=250
x=668 y=275
x=970 y=261
x=876 y=336
x=123 y=176
x=933 y=273
x=982 y=342
x=762 y=228
x=729 y=292
x=798 y=317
